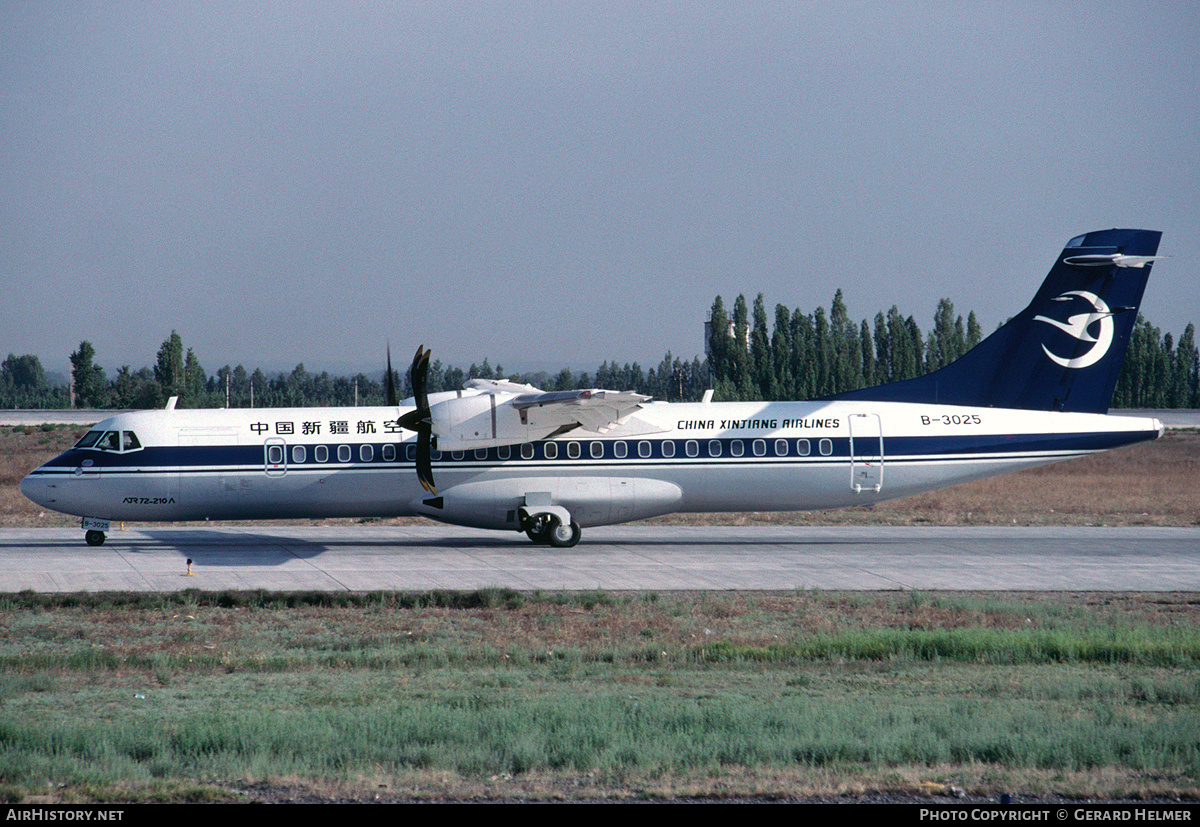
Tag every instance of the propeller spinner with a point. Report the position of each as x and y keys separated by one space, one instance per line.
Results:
x=418 y=420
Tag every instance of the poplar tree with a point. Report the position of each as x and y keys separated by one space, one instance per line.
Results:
x=760 y=353
x=782 y=385
x=168 y=369
x=91 y=388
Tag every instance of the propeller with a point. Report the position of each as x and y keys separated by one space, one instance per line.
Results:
x=418 y=420
x=392 y=401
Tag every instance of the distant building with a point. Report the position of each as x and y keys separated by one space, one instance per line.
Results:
x=728 y=332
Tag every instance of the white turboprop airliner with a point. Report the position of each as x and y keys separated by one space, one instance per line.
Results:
x=504 y=456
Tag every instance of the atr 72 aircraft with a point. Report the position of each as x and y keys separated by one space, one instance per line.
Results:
x=505 y=456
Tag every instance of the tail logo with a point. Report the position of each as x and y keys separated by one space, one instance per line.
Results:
x=1077 y=326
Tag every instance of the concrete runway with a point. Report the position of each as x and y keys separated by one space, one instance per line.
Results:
x=656 y=558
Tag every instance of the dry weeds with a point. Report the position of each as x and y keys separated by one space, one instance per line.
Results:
x=618 y=620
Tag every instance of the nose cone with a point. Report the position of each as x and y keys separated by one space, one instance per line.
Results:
x=35 y=487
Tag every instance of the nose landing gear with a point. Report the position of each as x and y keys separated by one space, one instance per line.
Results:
x=95 y=528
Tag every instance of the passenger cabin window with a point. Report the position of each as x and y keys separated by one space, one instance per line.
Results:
x=643 y=449
x=826 y=447
x=760 y=447
x=597 y=450
x=481 y=453
x=781 y=447
x=714 y=447
x=550 y=449
x=299 y=453
x=527 y=451
x=692 y=448
x=573 y=450
x=619 y=450
x=803 y=448
x=668 y=448
x=389 y=453
x=343 y=453
x=735 y=448
x=321 y=454
x=504 y=451
x=366 y=453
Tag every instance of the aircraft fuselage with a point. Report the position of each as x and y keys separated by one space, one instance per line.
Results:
x=355 y=462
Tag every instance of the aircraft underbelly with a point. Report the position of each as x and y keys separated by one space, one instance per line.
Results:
x=345 y=493
x=250 y=494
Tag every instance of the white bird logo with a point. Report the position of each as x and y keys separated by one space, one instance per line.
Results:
x=1077 y=327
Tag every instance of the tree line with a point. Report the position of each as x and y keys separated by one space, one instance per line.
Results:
x=810 y=355
x=176 y=372
x=800 y=356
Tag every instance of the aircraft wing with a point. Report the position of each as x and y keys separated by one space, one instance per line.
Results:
x=493 y=415
x=593 y=410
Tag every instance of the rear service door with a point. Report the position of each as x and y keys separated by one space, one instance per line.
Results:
x=866 y=452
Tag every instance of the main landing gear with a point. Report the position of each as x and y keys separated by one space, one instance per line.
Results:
x=549 y=529
x=94 y=538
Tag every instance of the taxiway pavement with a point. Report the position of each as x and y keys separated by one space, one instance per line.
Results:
x=654 y=558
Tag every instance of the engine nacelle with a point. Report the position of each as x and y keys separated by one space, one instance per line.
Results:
x=480 y=421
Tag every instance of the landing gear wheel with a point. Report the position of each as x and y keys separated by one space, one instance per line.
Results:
x=94 y=538
x=565 y=536
x=538 y=529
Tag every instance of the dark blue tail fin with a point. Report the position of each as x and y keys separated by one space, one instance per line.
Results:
x=1064 y=351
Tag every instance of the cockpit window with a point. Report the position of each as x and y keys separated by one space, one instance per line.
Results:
x=89 y=439
x=118 y=441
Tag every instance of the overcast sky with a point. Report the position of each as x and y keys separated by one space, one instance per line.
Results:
x=559 y=184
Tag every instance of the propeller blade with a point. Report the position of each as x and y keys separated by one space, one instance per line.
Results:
x=391 y=382
x=418 y=419
x=424 y=465
x=420 y=377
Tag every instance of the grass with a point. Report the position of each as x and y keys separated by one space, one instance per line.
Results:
x=493 y=694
